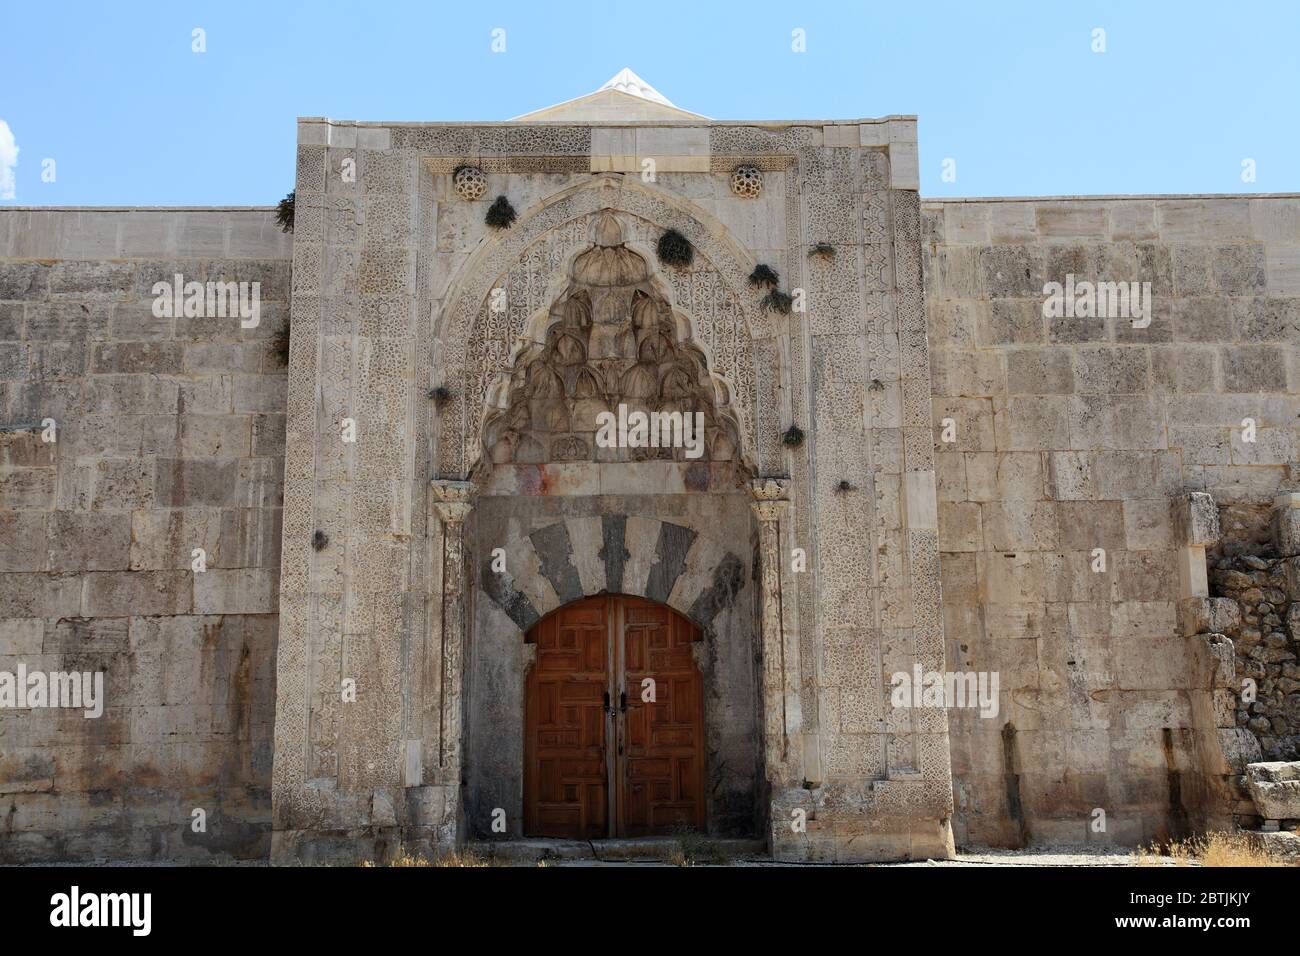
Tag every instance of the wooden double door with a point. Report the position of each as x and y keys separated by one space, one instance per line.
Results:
x=614 y=725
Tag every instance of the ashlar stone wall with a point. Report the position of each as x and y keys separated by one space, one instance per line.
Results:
x=1076 y=438
x=169 y=437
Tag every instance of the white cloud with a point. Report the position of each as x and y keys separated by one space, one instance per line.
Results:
x=8 y=160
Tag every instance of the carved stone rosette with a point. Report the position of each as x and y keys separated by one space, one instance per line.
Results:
x=453 y=500
x=770 y=503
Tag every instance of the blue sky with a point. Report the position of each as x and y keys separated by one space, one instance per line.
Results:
x=1184 y=92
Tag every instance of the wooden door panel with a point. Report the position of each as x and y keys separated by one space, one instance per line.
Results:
x=566 y=740
x=660 y=770
x=654 y=749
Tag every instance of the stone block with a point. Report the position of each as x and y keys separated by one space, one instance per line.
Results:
x=23 y=489
x=1202 y=318
x=966 y=222
x=202 y=233
x=1020 y=525
x=239 y=591
x=1286 y=523
x=1107 y=421
x=1071 y=220
x=1283 y=267
x=1266 y=318
x=136 y=357
x=138 y=593
x=1086 y=525
x=68 y=321
x=1032 y=423
x=22 y=541
x=1124 y=474
x=24 y=280
x=950 y=477
x=1195 y=219
x=1014 y=271
x=1182 y=368
x=674 y=149
x=973 y=422
x=1271 y=446
x=1144 y=575
x=1003 y=476
x=1201 y=615
x=904 y=166
x=1131 y=219
x=1192 y=578
x=1275 y=788
x=920 y=501
x=1148 y=524
x=181 y=483
x=1044 y=371
x=39 y=595
x=1198 y=520
x=1202 y=446
x=1070 y=476
x=122 y=484
x=967 y=374
x=25 y=447
x=21 y=637
x=1112 y=370
x=92 y=281
x=88 y=541
x=146 y=234
x=1254 y=368
x=955 y=272
x=11 y=320
x=1239 y=269
x=959 y=527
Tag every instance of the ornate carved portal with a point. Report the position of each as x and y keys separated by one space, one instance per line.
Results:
x=500 y=307
x=612 y=347
x=610 y=336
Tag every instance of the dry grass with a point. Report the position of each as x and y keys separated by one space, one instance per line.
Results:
x=455 y=858
x=695 y=848
x=1211 y=849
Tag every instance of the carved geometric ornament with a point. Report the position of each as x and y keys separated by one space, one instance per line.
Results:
x=612 y=352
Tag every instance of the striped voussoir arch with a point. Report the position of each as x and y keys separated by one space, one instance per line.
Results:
x=695 y=575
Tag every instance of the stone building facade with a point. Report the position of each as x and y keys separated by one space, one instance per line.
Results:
x=397 y=480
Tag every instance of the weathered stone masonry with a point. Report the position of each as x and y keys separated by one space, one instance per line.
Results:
x=1083 y=433
x=1120 y=688
x=169 y=438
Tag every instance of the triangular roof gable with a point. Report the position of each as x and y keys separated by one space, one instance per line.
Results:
x=625 y=97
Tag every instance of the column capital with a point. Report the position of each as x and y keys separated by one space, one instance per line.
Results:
x=770 y=497
x=454 y=500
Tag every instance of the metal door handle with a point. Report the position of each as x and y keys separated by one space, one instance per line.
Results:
x=622 y=702
x=609 y=710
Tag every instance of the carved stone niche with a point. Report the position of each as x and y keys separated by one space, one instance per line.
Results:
x=611 y=339
x=470 y=183
x=747 y=181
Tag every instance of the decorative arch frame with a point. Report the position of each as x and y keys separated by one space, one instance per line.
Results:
x=730 y=400
x=462 y=334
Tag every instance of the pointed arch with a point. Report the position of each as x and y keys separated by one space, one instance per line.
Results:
x=716 y=311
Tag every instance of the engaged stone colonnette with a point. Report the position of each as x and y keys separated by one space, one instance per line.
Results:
x=1120 y=687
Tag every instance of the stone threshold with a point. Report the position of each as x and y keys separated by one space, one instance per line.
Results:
x=649 y=849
